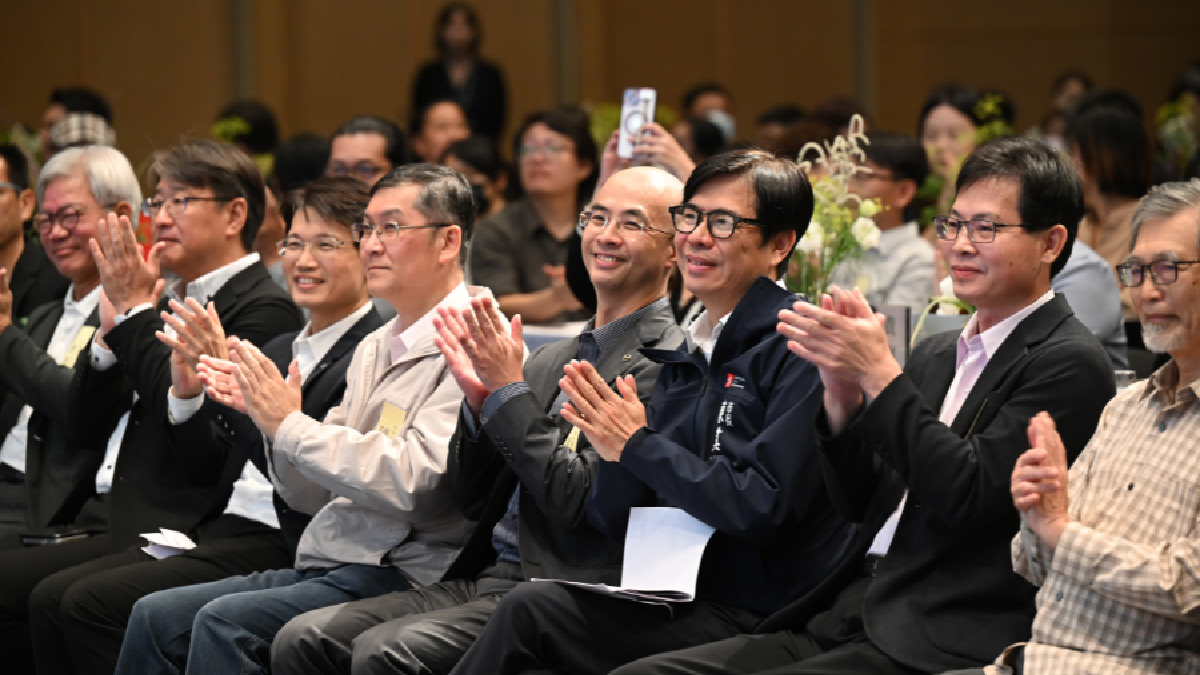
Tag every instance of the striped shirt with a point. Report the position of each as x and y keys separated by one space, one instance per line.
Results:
x=1121 y=592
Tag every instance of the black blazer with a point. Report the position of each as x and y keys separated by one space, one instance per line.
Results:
x=945 y=596
x=31 y=376
x=153 y=484
x=236 y=433
x=34 y=281
x=522 y=444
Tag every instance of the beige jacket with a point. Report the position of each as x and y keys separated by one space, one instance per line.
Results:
x=378 y=495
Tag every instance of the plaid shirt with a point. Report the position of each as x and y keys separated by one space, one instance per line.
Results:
x=1121 y=593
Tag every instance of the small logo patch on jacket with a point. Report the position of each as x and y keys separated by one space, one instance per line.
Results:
x=732 y=380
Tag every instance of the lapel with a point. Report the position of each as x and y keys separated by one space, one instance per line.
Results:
x=544 y=381
x=227 y=297
x=345 y=344
x=1034 y=329
x=936 y=383
x=41 y=330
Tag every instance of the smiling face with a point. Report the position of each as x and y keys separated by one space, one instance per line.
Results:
x=1170 y=314
x=331 y=284
x=626 y=265
x=1008 y=273
x=68 y=249
x=720 y=271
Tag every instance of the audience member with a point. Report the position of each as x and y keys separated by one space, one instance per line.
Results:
x=435 y=127
x=65 y=100
x=922 y=458
x=1069 y=88
x=371 y=472
x=517 y=469
x=207 y=207
x=835 y=113
x=476 y=159
x=79 y=129
x=31 y=276
x=698 y=137
x=1111 y=151
x=1177 y=128
x=521 y=252
x=899 y=270
x=366 y=148
x=1110 y=548
x=247 y=536
x=38 y=467
x=773 y=125
x=459 y=74
x=729 y=438
x=299 y=160
x=713 y=102
x=947 y=130
x=1090 y=289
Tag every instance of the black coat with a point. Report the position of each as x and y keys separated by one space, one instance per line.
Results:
x=945 y=596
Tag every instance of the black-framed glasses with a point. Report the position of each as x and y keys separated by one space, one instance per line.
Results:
x=11 y=186
x=67 y=218
x=978 y=231
x=321 y=246
x=176 y=206
x=721 y=223
x=1162 y=272
x=625 y=224
x=387 y=230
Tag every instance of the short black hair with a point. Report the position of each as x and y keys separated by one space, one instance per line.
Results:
x=1071 y=74
x=696 y=91
x=575 y=125
x=836 y=112
x=219 y=167
x=1050 y=190
x=443 y=19
x=81 y=99
x=1114 y=148
x=785 y=114
x=263 y=133
x=16 y=164
x=783 y=197
x=962 y=99
x=905 y=157
x=396 y=150
x=338 y=200
x=420 y=115
x=479 y=153
x=300 y=160
x=446 y=196
x=707 y=138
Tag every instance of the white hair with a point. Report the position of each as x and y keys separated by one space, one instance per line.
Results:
x=109 y=174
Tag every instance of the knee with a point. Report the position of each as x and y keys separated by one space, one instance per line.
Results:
x=46 y=597
x=528 y=600
x=385 y=650
x=295 y=642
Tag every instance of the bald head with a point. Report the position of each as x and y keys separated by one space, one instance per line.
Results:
x=650 y=185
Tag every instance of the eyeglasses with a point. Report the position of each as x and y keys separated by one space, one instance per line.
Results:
x=11 y=186
x=321 y=246
x=364 y=171
x=387 y=230
x=548 y=150
x=67 y=218
x=721 y=223
x=626 y=225
x=1163 y=272
x=978 y=231
x=176 y=206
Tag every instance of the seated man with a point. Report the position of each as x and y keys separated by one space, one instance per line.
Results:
x=372 y=471
x=366 y=148
x=728 y=438
x=435 y=127
x=899 y=269
x=1114 y=549
x=327 y=278
x=516 y=468
x=922 y=458
x=37 y=471
x=32 y=277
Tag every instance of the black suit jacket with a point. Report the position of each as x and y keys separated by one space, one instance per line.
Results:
x=236 y=433
x=154 y=485
x=34 y=281
x=32 y=377
x=522 y=444
x=945 y=596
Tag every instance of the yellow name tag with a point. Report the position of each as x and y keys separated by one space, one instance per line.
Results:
x=572 y=441
x=391 y=420
x=77 y=346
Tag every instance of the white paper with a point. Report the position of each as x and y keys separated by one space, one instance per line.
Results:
x=663 y=548
x=166 y=543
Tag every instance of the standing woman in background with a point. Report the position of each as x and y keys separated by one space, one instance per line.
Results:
x=459 y=74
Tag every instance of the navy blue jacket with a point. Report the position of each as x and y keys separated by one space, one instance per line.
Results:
x=733 y=443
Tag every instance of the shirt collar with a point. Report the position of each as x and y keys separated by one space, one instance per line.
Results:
x=607 y=334
x=995 y=336
x=1165 y=383
x=404 y=341
x=703 y=334
x=322 y=342
x=203 y=288
x=85 y=305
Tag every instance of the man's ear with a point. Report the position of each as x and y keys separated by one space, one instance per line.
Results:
x=239 y=210
x=781 y=244
x=1056 y=239
x=906 y=191
x=125 y=209
x=451 y=244
x=27 y=201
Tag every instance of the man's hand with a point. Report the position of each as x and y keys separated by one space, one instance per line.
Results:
x=269 y=398
x=608 y=419
x=127 y=279
x=198 y=331
x=558 y=294
x=610 y=162
x=656 y=145
x=1039 y=481
x=450 y=329
x=848 y=345
x=185 y=383
x=498 y=356
x=6 y=301
x=220 y=383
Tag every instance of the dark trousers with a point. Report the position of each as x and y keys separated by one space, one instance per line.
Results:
x=833 y=643
x=542 y=625
x=78 y=616
x=424 y=630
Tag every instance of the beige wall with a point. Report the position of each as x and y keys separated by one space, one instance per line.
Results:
x=168 y=67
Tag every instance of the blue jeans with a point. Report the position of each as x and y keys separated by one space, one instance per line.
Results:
x=227 y=626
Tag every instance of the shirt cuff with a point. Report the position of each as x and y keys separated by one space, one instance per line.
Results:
x=102 y=359
x=180 y=410
x=496 y=399
x=133 y=310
